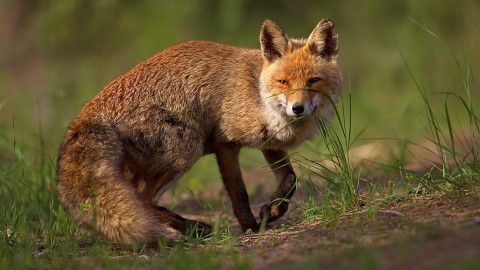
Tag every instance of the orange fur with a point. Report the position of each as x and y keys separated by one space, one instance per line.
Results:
x=146 y=128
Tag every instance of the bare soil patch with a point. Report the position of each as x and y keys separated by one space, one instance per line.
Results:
x=417 y=233
x=430 y=233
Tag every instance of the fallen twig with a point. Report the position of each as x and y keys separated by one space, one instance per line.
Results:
x=364 y=211
x=259 y=235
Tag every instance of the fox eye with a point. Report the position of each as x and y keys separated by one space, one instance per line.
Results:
x=313 y=80
x=284 y=82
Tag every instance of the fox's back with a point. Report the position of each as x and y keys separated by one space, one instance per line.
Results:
x=185 y=83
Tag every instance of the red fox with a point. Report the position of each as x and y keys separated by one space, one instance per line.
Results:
x=145 y=129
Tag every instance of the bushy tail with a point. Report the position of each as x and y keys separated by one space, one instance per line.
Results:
x=92 y=188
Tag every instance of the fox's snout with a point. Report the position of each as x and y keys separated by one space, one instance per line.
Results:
x=303 y=106
x=297 y=109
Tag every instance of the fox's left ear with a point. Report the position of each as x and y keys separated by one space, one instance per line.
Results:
x=322 y=42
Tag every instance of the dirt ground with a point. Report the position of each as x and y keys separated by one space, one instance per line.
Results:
x=418 y=233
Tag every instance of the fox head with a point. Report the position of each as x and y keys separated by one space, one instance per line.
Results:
x=300 y=77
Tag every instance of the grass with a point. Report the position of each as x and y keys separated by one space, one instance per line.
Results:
x=455 y=135
x=37 y=233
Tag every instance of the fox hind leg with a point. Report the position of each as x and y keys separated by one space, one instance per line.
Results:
x=178 y=162
x=151 y=196
x=185 y=226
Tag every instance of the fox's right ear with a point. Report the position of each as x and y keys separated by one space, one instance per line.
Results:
x=273 y=41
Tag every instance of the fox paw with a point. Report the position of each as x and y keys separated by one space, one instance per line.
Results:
x=198 y=229
x=273 y=210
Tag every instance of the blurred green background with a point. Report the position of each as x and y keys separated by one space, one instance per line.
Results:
x=56 y=55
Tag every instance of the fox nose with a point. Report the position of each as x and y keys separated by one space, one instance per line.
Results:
x=298 y=108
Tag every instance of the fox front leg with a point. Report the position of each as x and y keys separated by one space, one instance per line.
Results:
x=286 y=180
x=227 y=159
